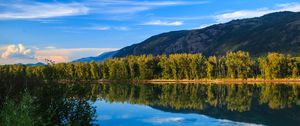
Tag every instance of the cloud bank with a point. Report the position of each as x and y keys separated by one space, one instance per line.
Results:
x=18 y=53
x=34 y=10
x=38 y=10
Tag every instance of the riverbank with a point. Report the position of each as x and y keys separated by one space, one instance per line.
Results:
x=219 y=81
x=225 y=81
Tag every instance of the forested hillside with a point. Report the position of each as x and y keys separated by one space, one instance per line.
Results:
x=275 y=32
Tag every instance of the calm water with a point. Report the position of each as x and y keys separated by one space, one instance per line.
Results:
x=174 y=104
x=126 y=114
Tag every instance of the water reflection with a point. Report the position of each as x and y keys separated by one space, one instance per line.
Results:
x=270 y=104
x=55 y=104
x=116 y=113
x=236 y=104
x=231 y=97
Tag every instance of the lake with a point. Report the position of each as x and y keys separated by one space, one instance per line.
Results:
x=125 y=104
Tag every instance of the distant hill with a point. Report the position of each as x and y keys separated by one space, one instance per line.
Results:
x=36 y=64
x=32 y=64
x=275 y=32
x=101 y=57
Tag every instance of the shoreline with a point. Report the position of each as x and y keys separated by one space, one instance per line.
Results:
x=204 y=81
x=226 y=81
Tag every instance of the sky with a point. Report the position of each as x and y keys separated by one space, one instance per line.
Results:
x=64 y=30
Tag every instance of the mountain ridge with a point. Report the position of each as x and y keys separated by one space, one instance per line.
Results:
x=101 y=57
x=274 y=32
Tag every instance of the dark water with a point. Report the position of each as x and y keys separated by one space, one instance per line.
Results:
x=171 y=104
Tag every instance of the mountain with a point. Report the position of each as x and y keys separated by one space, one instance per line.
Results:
x=101 y=57
x=275 y=32
x=32 y=64
x=36 y=64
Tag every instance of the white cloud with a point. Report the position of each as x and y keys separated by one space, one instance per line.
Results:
x=12 y=54
x=164 y=23
x=41 y=10
x=240 y=15
x=38 y=10
x=47 y=21
x=135 y=6
x=295 y=7
x=92 y=27
x=123 y=6
x=104 y=28
x=123 y=10
x=101 y=28
x=17 y=51
x=165 y=3
x=123 y=28
x=225 y=17
x=186 y=18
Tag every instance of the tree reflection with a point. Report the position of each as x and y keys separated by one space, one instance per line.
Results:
x=76 y=112
x=59 y=104
x=234 y=97
x=279 y=96
x=73 y=103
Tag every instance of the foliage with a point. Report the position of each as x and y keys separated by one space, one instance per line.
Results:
x=175 y=66
x=20 y=114
x=48 y=105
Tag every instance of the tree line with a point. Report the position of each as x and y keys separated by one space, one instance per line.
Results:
x=233 y=65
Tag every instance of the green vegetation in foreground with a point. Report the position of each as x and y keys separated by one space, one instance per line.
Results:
x=46 y=105
x=20 y=114
x=234 y=65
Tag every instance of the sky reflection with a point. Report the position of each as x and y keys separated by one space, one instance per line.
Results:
x=126 y=114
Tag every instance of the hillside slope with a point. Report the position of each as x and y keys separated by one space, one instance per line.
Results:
x=275 y=32
x=101 y=57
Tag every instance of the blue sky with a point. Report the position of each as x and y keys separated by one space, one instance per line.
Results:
x=64 y=30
